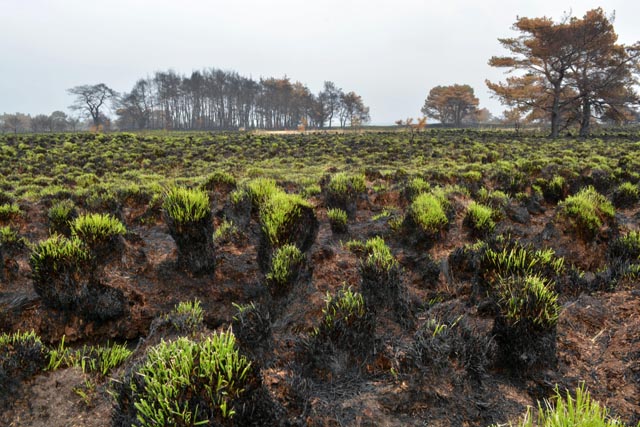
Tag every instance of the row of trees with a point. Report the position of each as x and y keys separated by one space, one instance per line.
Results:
x=568 y=73
x=216 y=99
x=58 y=121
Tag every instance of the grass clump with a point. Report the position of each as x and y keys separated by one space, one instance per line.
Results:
x=414 y=187
x=337 y=220
x=60 y=216
x=186 y=382
x=185 y=206
x=9 y=211
x=560 y=411
x=58 y=265
x=554 y=190
x=94 y=229
x=626 y=248
x=342 y=190
x=625 y=195
x=528 y=300
x=427 y=214
x=479 y=218
x=188 y=216
x=286 y=263
x=219 y=179
x=279 y=214
x=517 y=260
x=22 y=355
x=260 y=190
x=346 y=323
x=587 y=210
x=187 y=317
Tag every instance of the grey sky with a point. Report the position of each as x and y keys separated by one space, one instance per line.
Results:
x=390 y=52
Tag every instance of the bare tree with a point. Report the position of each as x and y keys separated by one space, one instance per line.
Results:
x=92 y=99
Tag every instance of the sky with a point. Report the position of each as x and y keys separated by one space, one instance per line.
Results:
x=389 y=52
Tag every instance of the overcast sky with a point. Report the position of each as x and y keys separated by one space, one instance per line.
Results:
x=390 y=52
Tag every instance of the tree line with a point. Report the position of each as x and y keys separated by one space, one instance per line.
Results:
x=215 y=99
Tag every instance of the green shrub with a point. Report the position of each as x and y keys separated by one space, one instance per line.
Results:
x=415 y=187
x=22 y=355
x=381 y=279
x=9 y=211
x=285 y=267
x=528 y=300
x=219 y=179
x=185 y=206
x=560 y=411
x=626 y=247
x=8 y=237
x=480 y=219
x=187 y=382
x=587 y=210
x=626 y=195
x=337 y=220
x=187 y=317
x=346 y=324
x=95 y=229
x=260 y=190
x=554 y=190
x=188 y=216
x=60 y=215
x=59 y=269
x=517 y=260
x=427 y=215
x=226 y=232
x=342 y=191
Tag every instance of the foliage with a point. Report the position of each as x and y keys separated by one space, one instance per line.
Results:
x=451 y=104
x=9 y=211
x=187 y=382
x=187 y=316
x=185 y=206
x=560 y=411
x=529 y=300
x=427 y=213
x=337 y=220
x=225 y=232
x=626 y=195
x=278 y=215
x=480 y=218
x=285 y=265
x=587 y=210
x=60 y=215
x=95 y=229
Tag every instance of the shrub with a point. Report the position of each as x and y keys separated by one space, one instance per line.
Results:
x=415 y=187
x=525 y=328
x=518 y=260
x=626 y=195
x=188 y=217
x=102 y=234
x=60 y=217
x=59 y=270
x=260 y=190
x=226 y=232
x=22 y=355
x=252 y=327
x=342 y=191
x=587 y=211
x=285 y=219
x=337 y=220
x=9 y=211
x=480 y=219
x=579 y=411
x=186 y=382
x=286 y=263
x=187 y=317
x=426 y=216
x=381 y=279
x=219 y=180
x=626 y=248
x=347 y=323
x=554 y=190
x=185 y=206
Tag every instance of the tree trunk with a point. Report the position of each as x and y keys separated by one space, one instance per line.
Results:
x=586 y=118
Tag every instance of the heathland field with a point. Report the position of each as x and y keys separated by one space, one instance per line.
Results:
x=396 y=278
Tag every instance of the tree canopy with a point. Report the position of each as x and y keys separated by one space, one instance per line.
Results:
x=451 y=104
x=571 y=71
